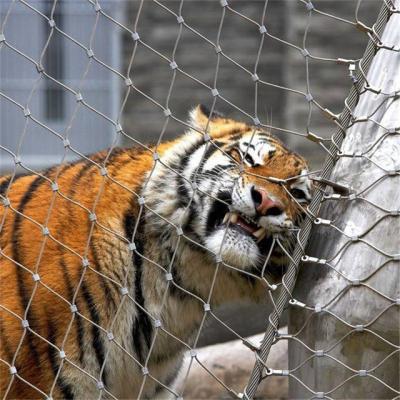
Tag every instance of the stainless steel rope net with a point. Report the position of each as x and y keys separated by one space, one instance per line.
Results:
x=341 y=287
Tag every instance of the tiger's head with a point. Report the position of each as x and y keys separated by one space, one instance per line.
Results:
x=231 y=190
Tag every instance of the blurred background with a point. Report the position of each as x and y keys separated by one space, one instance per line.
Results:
x=93 y=52
x=79 y=27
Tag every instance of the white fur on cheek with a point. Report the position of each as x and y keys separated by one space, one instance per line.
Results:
x=257 y=149
x=217 y=160
x=303 y=182
x=194 y=161
x=237 y=249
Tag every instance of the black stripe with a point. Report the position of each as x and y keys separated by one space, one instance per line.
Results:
x=142 y=327
x=100 y=156
x=207 y=112
x=6 y=182
x=218 y=209
x=86 y=166
x=216 y=171
x=133 y=152
x=79 y=326
x=212 y=148
x=249 y=145
x=180 y=166
x=269 y=136
x=237 y=134
x=4 y=185
x=53 y=357
x=16 y=255
x=250 y=160
x=115 y=152
x=136 y=342
x=129 y=225
x=97 y=343
x=189 y=227
x=105 y=284
x=182 y=192
x=80 y=330
x=96 y=339
x=143 y=320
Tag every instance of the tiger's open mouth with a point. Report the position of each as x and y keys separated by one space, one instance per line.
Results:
x=245 y=224
x=240 y=231
x=242 y=223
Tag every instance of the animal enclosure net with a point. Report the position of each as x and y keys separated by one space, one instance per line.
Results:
x=327 y=190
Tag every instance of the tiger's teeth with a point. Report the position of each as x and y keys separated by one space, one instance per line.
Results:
x=226 y=218
x=234 y=218
x=260 y=233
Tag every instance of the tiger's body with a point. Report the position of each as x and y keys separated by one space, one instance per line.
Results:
x=95 y=304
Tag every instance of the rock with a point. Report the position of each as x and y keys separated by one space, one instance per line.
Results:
x=231 y=363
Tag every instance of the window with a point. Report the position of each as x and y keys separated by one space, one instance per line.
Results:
x=53 y=61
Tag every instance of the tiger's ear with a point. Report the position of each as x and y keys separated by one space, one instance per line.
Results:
x=200 y=116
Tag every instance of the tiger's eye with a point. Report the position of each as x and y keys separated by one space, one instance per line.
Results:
x=297 y=193
x=249 y=159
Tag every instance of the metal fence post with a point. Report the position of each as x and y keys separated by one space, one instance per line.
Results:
x=346 y=339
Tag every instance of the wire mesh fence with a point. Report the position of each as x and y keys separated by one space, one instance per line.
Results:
x=148 y=304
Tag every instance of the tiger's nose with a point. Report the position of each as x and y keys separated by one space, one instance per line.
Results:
x=263 y=204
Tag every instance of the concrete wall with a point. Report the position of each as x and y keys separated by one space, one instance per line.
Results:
x=279 y=63
x=357 y=290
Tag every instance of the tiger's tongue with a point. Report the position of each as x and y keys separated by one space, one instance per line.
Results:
x=246 y=226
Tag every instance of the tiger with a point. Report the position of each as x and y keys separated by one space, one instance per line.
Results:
x=110 y=264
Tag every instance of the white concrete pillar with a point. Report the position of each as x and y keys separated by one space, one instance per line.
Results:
x=355 y=323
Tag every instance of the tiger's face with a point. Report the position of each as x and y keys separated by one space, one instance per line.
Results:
x=240 y=209
x=241 y=189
